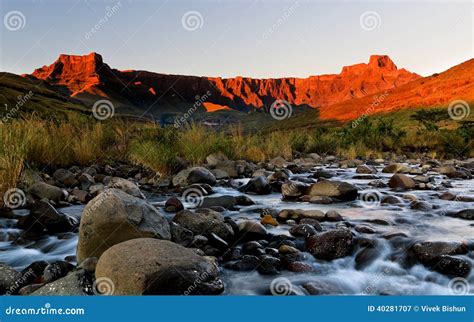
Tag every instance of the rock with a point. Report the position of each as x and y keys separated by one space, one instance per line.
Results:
x=126 y=186
x=246 y=263
x=147 y=266
x=421 y=179
x=322 y=200
x=205 y=221
x=390 y=200
x=86 y=181
x=115 y=216
x=181 y=235
x=8 y=277
x=333 y=215
x=65 y=177
x=335 y=189
x=194 y=175
x=268 y=220
x=269 y=265
x=421 y=205
x=467 y=214
x=80 y=195
x=44 y=218
x=365 y=229
x=331 y=244
x=173 y=205
x=396 y=168
x=299 y=214
x=231 y=168
x=280 y=175
x=74 y=283
x=299 y=267
x=366 y=169
x=303 y=230
x=42 y=190
x=322 y=174
x=227 y=202
x=220 y=174
x=199 y=241
x=217 y=242
x=56 y=270
x=213 y=159
x=454 y=266
x=428 y=253
x=278 y=162
x=322 y=288
x=292 y=189
x=250 y=230
x=447 y=196
x=253 y=248
x=402 y=182
x=258 y=185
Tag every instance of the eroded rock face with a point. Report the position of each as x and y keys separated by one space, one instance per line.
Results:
x=115 y=216
x=339 y=190
x=147 y=266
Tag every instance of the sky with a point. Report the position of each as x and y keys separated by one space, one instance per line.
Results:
x=263 y=39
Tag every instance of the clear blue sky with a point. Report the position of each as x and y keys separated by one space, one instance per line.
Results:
x=247 y=38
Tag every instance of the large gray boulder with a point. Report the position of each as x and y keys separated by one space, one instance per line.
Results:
x=193 y=175
x=331 y=244
x=147 y=266
x=43 y=190
x=115 y=216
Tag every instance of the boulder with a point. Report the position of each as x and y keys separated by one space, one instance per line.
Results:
x=331 y=244
x=173 y=205
x=126 y=186
x=8 y=278
x=205 y=221
x=366 y=169
x=467 y=214
x=147 y=266
x=401 y=182
x=65 y=177
x=339 y=190
x=72 y=284
x=42 y=190
x=250 y=230
x=194 y=175
x=258 y=185
x=396 y=168
x=115 y=216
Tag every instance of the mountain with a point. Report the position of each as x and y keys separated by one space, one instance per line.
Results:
x=87 y=78
x=437 y=90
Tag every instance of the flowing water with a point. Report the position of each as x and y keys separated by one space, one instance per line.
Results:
x=381 y=276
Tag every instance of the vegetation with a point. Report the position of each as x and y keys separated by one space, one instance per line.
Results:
x=79 y=139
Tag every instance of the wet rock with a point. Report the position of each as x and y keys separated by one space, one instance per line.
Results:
x=194 y=175
x=181 y=235
x=269 y=265
x=231 y=168
x=298 y=214
x=150 y=266
x=217 y=242
x=303 y=230
x=8 y=277
x=115 y=216
x=335 y=189
x=71 y=284
x=246 y=263
x=299 y=267
x=366 y=169
x=250 y=230
x=205 y=221
x=278 y=162
x=292 y=189
x=453 y=173
x=56 y=270
x=320 y=200
x=80 y=195
x=258 y=185
x=453 y=266
x=173 y=205
x=377 y=184
x=366 y=256
x=268 y=220
x=322 y=288
x=365 y=229
x=42 y=190
x=220 y=174
x=322 y=174
x=421 y=205
x=126 y=186
x=421 y=179
x=467 y=214
x=286 y=249
x=85 y=181
x=402 y=182
x=227 y=202
x=253 y=248
x=199 y=241
x=331 y=244
x=428 y=253
x=313 y=222
x=333 y=215
x=44 y=218
x=390 y=200
x=65 y=177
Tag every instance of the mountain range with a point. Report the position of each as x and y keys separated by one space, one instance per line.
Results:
x=343 y=96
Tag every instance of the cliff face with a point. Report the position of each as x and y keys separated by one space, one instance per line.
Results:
x=88 y=78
